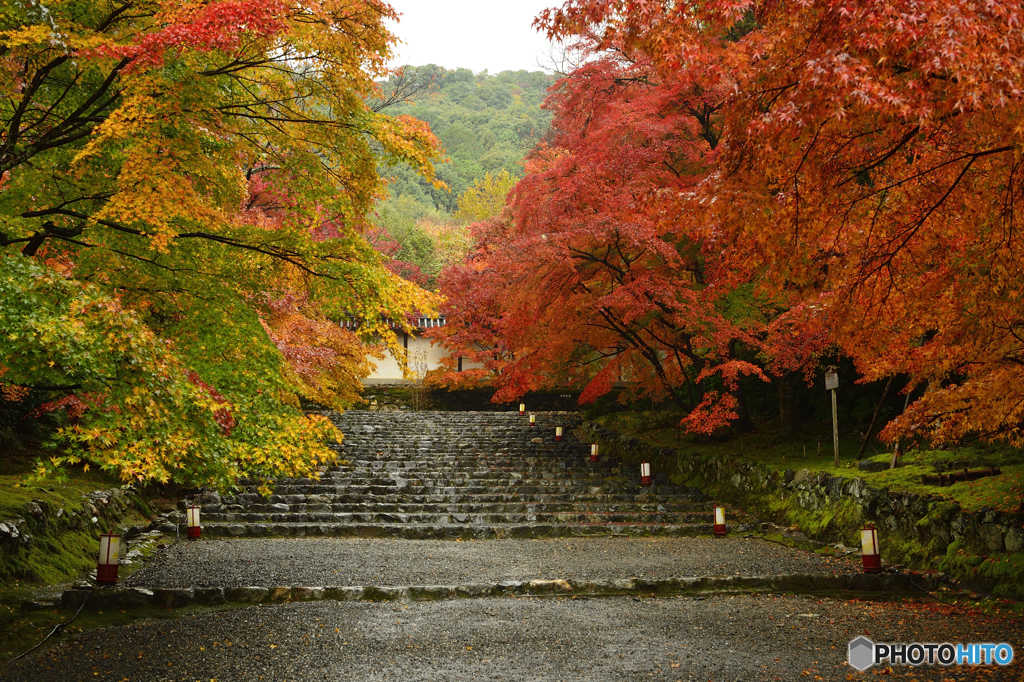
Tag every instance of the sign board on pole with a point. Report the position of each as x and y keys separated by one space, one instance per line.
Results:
x=831 y=384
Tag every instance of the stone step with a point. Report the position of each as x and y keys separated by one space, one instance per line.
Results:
x=460 y=498
x=506 y=479
x=507 y=507
x=428 y=486
x=538 y=451
x=445 y=517
x=122 y=599
x=466 y=531
x=463 y=475
x=533 y=494
x=469 y=461
x=526 y=488
x=493 y=473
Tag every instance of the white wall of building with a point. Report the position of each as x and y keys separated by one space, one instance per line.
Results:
x=423 y=355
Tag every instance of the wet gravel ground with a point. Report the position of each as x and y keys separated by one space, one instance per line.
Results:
x=338 y=561
x=721 y=638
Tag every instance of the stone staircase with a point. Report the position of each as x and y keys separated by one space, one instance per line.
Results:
x=463 y=475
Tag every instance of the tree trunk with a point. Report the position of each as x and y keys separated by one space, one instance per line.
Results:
x=743 y=422
x=29 y=250
x=896 y=445
x=787 y=404
x=874 y=418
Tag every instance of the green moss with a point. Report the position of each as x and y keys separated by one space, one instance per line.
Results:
x=840 y=520
x=810 y=451
x=143 y=507
x=1006 y=570
x=939 y=514
x=1005 y=492
x=51 y=560
x=900 y=549
x=61 y=494
x=62 y=548
x=921 y=547
x=837 y=522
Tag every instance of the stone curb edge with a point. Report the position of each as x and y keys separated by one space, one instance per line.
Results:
x=226 y=529
x=119 y=598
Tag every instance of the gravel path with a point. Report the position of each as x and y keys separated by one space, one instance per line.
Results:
x=721 y=638
x=334 y=561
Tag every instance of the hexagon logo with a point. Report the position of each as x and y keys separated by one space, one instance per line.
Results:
x=862 y=653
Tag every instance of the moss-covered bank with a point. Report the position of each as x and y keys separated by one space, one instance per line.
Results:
x=983 y=549
x=51 y=539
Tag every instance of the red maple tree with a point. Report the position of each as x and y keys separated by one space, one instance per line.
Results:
x=586 y=280
x=870 y=161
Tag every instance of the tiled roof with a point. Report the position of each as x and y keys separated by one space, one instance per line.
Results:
x=419 y=323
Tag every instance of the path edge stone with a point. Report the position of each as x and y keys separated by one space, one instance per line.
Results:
x=893 y=584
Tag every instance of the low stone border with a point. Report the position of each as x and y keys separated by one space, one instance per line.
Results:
x=466 y=531
x=136 y=597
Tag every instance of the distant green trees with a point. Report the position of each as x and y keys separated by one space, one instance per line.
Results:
x=487 y=124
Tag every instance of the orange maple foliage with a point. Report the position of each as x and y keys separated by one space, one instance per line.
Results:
x=326 y=362
x=870 y=161
x=584 y=280
x=195 y=177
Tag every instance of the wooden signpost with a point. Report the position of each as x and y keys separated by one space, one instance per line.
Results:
x=831 y=384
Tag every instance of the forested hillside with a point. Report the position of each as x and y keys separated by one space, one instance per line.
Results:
x=487 y=124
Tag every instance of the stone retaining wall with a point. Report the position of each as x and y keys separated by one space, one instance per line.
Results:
x=99 y=510
x=839 y=504
x=413 y=397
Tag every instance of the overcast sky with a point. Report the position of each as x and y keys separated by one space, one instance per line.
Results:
x=475 y=34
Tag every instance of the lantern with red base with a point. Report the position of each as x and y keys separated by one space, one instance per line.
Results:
x=870 y=557
x=558 y=434
x=593 y=452
x=522 y=408
x=719 y=521
x=106 y=566
x=645 y=473
x=192 y=518
x=533 y=420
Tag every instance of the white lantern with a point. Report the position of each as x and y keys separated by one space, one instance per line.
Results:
x=192 y=519
x=522 y=408
x=870 y=556
x=533 y=420
x=558 y=434
x=645 y=473
x=719 y=520
x=593 y=452
x=106 y=566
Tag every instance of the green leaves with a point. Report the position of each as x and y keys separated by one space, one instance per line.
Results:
x=133 y=408
x=178 y=173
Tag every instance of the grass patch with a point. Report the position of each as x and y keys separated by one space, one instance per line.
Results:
x=66 y=494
